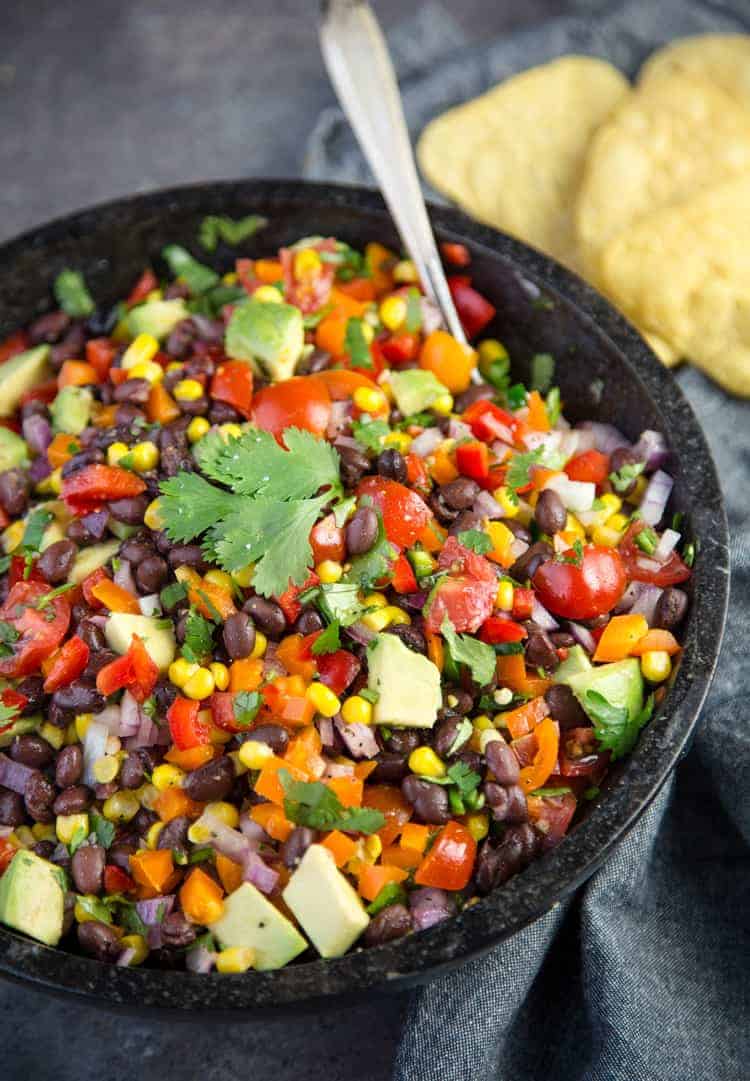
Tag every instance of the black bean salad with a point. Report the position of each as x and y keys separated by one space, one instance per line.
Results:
x=314 y=627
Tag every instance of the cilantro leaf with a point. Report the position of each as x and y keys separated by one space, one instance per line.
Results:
x=464 y=730
x=232 y=231
x=95 y=908
x=8 y=635
x=373 y=565
x=254 y=464
x=246 y=706
x=103 y=829
x=72 y=295
x=518 y=475
x=36 y=525
x=355 y=344
x=327 y=642
x=573 y=555
x=197 y=277
x=129 y=919
x=370 y=433
x=343 y=509
x=542 y=370
x=413 y=321
x=615 y=731
x=464 y=778
x=624 y=477
x=476 y=540
x=199 y=640
x=58 y=591
x=339 y=601
x=79 y=836
x=464 y=649
x=316 y=805
x=173 y=594
x=189 y=505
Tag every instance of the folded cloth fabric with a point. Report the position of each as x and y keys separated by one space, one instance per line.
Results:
x=645 y=974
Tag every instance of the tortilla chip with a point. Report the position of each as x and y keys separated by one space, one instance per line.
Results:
x=513 y=157
x=683 y=273
x=723 y=59
x=674 y=137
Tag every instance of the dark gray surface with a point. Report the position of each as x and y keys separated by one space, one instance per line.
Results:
x=97 y=99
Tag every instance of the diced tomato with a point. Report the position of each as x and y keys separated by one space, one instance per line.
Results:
x=40 y=630
x=186 y=726
x=338 y=670
x=300 y=402
x=145 y=285
x=474 y=310
x=450 y=861
x=43 y=392
x=552 y=815
x=489 y=422
x=404 y=579
x=308 y=292
x=134 y=671
x=13 y=345
x=523 y=603
x=473 y=460
x=342 y=383
x=13 y=699
x=391 y=803
x=455 y=254
x=579 y=755
x=497 y=629
x=582 y=591
x=405 y=513
x=96 y=485
x=416 y=473
x=399 y=348
x=67 y=665
x=327 y=540
x=642 y=568
x=7 y=852
x=467 y=595
x=88 y=584
x=116 y=880
x=19 y=572
x=592 y=466
x=288 y=601
x=233 y=383
x=100 y=354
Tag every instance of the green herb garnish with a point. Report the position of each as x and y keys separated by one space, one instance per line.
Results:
x=476 y=540
x=615 y=731
x=246 y=706
x=328 y=641
x=199 y=642
x=316 y=805
x=622 y=479
x=197 y=277
x=72 y=295
x=478 y=657
x=369 y=432
x=356 y=344
x=232 y=231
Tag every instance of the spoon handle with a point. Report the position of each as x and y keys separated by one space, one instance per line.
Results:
x=362 y=74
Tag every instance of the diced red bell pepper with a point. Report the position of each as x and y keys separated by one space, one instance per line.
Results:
x=474 y=310
x=13 y=345
x=233 y=383
x=450 y=861
x=95 y=485
x=416 y=473
x=87 y=587
x=473 y=460
x=455 y=254
x=489 y=422
x=18 y=572
x=222 y=711
x=288 y=602
x=145 y=285
x=7 y=852
x=592 y=466
x=134 y=671
x=497 y=629
x=523 y=603
x=338 y=670
x=14 y=700
x=100 y=354
x=67 y=665
x=404 y=579
x=116 y=880
x=400 y=347
x=43 y=392
x=186 y=726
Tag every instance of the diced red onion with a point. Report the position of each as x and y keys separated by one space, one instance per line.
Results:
x=259 y=873
x=94 y=747
x=577 y=495
x=651 y=449
x=126 y=956
x=666 y=545
x=123 y=577
x=629 y=597
x=325 y=731
x=606 y=437
x=360 y=633
x=347 y=441
x=236 y=846
x=542 y=617
x=37 y=432
x=429 y=906
x=585 y=440
x=96 y=523
x=199 y=960
x=14 y=775
x=254 y=832
x=426 y=442
x=338 y=769
x=209 y=330
x=432 y=318
x=655 y=497
x=518 y=547
x=570 y=443
x=155 y=909
x=131 y=716
x=150 y=605
x=583 y=636
x=548 y=440
x=359 y=738
x=487 y=506
x=415 y=601
x=646 y=603
x=458 y=430
x=339 y=418
x=39 y=469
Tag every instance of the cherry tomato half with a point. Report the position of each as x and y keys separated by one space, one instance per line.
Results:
x=405 y=513
x=642 y=568
x=300 y=402
x=582 y=591
x=40 y=630
x=467 y=595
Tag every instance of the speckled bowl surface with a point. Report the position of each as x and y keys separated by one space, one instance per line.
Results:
x=605 y=371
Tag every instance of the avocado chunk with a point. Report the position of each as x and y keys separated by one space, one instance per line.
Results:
x=325 y=904
x=157 y=637
x=13 y=450
x=32 y=896
x=415 y=390
x=157 y=317
x=20 y=374
x=407 y=684
x=620 y=682
x=90 y=559
x=576 y=661
x=71 y=410
x=249 y=919
x=269 y=336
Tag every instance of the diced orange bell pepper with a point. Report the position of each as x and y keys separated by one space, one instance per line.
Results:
x=620 y=636
x=348 y=789
x=526 y=717
x=448 y=359
x=246 y=675
x=61 y=449
x=357 y=289
x=201 y=898
x=229 y=872
x=435 y=650
x=442 y=467
x=415 y=836
x=450 y=861
x=537 y=418
x=380 y=262
x=364 y=769
x=268 y=784
x=291 y=654
x=154 y=871
x=547 y=735
x=304 y=749
x=207 y=597
x=104 y=416
x=330 y=335
x=657 y=639
x=115 y=597
x=191 y=758
x=398 y=856
x=272 y=819
x=161 y=407
x=341 y=846
x=502 y=541
x=511 y=673
x=268 y=270
x=540 y=476
x=374 y=876
x=174 y=803
x=432 y=537
x=390 y=802
x=76 y=373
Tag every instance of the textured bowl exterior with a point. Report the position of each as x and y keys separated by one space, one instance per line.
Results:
x=605 y=371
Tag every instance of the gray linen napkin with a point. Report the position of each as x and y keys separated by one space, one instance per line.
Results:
x=645 y=974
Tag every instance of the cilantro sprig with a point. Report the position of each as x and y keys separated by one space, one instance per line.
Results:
x=199 y=642
x=314 y=804
x=615 y=730
x=518 y=475
x=478 y=657
x=476 y=540
x=232 y=231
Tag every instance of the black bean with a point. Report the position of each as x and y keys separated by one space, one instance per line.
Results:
x=318 y=361
x=403 y=740
x=99 y=939
x=212 y=781
x=14 y=492
x=392 y=464
x=165 y=693
x=70 y=347
x=96 y=662
x=444 y=514
x=177 y=931
x=73 y=800
x=517 y=810
x=126 y=416
x=308 y=621
x=477 y=393
x=222 y=413
x=143 y=821
x=129 y=511
x=79 y=697
x=473 y=760
x=540 y=653
x=69 y=766
x=564 y=707
x=38 y=797
x=391 y=767
x=131 y=771
x=274 y=735
x=561 y=639
x=354 y=465
x=446 y=739
x=136 y=548
x=197 y=408
x=83 y=458
x=151 y=574
x=187 y=555
x=79 y=534
x=502 y=760
x=296 y=844
x=11 y=808
x=120 y=852
x=485 y=867
x=175 y=435
x=362 y=531
x=174 y=460
x=267 y=615
x=48 y=328
x=461 y=702
x=670 y=609
x=87 y=868
x=92 y=635
x=468 y=519
x=175 y=834
x=180 y=339
x=32 y=688
x=497 y=799
x=55 y=562
x=460 y=493
x=32 y=751
x=527 y=564
x=389 y=924
x=133 y=390
x=43 y=849
x=239 y=635
x=411 y=636
x=550 y=513
x=520 y=532
x=430 y=801
x=104 y=791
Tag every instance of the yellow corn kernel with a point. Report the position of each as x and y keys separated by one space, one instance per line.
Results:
x=611 y=502
x=181 y=670
x=225 y=812
x=357 y=710
x=405 y=273
x=400 y=440
x=44 y=831
x=82 y=722
x=220 y=672
x=115 y=451
x=368 y=332
x=307 y=263
x=199 y=833
x=373 y=847
x=572 y=525
x=230 y=278
x=13 y=535
x=641 y=483
x=375 y=600
x=478 y=826
x=219 y=578
x=106 y=768
x=152 y=837
x=145 y=456
x=244 y=576
x=605 y=537
x=54 y=736
x=151 y=518
x=398 y=617
x=323 y=699
x=618 y=522
x=507 y=500
x=188 y=390
x=174 y=366
x=22 y=837
x=393 y=312
x=139 y=946
x=167 y=775
x=149 y=370
x=482 y=723
x=155 y=294
x=121 y=807
x=71 y=736
x=235 y=960
x=378 y=620
x=253 y=754
x=268 y=294
x=369 y=400
x=504 y=595
x=329 y=571
x=491 y=349
x=261 y=642
x=230 y=431
x=443 y=405
x=51 y=485
x=147 y=795
x=66 y=826
x=140 y=351
x=200 y=685
x=197 y=428
x=485 y=737
x=425 y=762
x=656 y=665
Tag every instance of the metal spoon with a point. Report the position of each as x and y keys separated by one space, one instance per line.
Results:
x=360 y=68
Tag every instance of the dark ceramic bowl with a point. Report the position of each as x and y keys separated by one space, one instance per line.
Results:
x=605 y=371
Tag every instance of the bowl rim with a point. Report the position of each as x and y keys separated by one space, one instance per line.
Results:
x=559 y=872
